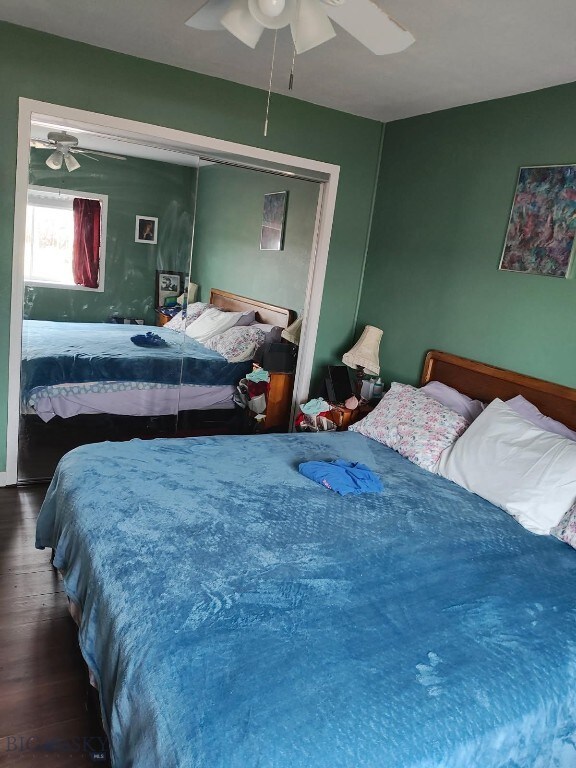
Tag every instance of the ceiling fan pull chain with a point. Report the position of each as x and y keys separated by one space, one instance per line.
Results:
x=270 y=85
x=291 y=80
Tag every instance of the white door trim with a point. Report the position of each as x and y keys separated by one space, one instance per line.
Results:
x=326 y=173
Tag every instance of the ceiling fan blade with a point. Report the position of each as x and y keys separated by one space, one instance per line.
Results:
x=371 y=26
x=97 y=152
x=209 y=15
x=85 y=154
x=41 y=144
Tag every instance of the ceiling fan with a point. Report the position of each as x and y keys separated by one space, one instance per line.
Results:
x=309 y=22
x=65 y=146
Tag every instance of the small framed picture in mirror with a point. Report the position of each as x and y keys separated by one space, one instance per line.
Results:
x=169 y=285
x=273 y=221
x=147 y=229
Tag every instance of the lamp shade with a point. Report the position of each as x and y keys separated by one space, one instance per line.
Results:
x=292 y=333
x=312 y=26
x=55 y=160
x=364 y=354
x=239 y=22
x=71 y=163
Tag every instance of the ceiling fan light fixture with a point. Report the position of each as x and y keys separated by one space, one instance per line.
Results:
x=71 y=163
x=281 y=19
x=239 y=22
x=272 y=8
x=312 y=27
x=55 y=160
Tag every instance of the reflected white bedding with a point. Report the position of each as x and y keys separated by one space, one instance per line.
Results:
x=126 y=398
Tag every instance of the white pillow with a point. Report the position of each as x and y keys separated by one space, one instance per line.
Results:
x=519 y=467
x=211 y=322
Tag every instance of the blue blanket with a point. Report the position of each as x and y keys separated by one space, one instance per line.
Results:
x=59 y=353
x=237 y=615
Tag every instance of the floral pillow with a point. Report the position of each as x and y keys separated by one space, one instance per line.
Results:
x=184 y=318
x=413 y=424
x=566 y=528
x=237 y=344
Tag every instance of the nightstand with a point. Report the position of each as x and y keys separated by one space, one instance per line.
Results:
x=278 y=404
x=344 y=417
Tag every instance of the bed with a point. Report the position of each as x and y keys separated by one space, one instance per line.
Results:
x=93 y=368
x=236 y=615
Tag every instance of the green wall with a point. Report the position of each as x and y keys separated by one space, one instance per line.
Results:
x=446 y=186
x=227 y=251
x=133 y=186
x=51 y=69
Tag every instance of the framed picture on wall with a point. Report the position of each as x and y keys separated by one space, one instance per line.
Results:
x=540 y=236
x=147 y=229
x=169 y=285
x=273 y=221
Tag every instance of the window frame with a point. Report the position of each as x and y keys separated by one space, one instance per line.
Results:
x=103 y=233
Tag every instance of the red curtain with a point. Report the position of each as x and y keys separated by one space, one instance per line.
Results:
x=86 y=256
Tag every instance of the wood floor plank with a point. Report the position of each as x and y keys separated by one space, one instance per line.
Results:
x=43 y=679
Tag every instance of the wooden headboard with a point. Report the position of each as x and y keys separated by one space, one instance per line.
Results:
x=486 y=382
x=265 y=313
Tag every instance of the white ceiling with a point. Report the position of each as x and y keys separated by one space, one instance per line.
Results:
x=466 y=50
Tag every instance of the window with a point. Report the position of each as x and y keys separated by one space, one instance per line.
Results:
x=49 y=250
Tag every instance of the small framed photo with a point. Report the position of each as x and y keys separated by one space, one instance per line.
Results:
x=169 y=285
x=146 y=229
x=273 y=221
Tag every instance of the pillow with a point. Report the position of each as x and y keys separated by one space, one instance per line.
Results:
x=273 y=332
x=177 y=323
x=454 y=400
x=211 y=322
x=237 y=344
x=193 y=311
x=519 y=467
x=185 y=317
x=566 y=528
x=413 y=424
x=246 y=318
x=528 y=411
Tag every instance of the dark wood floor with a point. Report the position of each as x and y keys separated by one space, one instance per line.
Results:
x=44 y=718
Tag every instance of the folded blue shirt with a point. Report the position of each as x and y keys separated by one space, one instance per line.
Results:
x=342 y=476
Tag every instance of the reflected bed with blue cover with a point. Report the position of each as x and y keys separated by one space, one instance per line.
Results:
x=237 y=615
x=58 y=353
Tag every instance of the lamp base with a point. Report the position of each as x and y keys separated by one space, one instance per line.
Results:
x=359 y=380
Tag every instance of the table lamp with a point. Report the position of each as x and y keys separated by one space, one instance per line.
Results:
x=364 y=355
x=292 y=332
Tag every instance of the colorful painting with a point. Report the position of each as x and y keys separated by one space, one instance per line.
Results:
x=273 y=221
x=542 y=223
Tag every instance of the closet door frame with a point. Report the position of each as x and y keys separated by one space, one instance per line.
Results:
x=148 y=134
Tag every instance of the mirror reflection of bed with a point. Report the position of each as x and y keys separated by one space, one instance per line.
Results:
x=84 y=379
x=122 y=390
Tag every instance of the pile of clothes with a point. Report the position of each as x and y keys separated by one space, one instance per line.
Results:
x=315 y=416
x=251 y=391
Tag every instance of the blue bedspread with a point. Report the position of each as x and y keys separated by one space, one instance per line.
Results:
x=59 y=353
x=238 y=615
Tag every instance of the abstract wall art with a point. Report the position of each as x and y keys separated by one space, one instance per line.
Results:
x=542 y=224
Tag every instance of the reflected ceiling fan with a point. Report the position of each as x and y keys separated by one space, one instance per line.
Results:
x=309 y=22
x=65 y=146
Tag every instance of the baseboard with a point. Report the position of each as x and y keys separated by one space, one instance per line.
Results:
x=3 y=479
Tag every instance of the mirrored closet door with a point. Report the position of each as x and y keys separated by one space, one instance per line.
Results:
x=127 y=245
x=108 y=243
